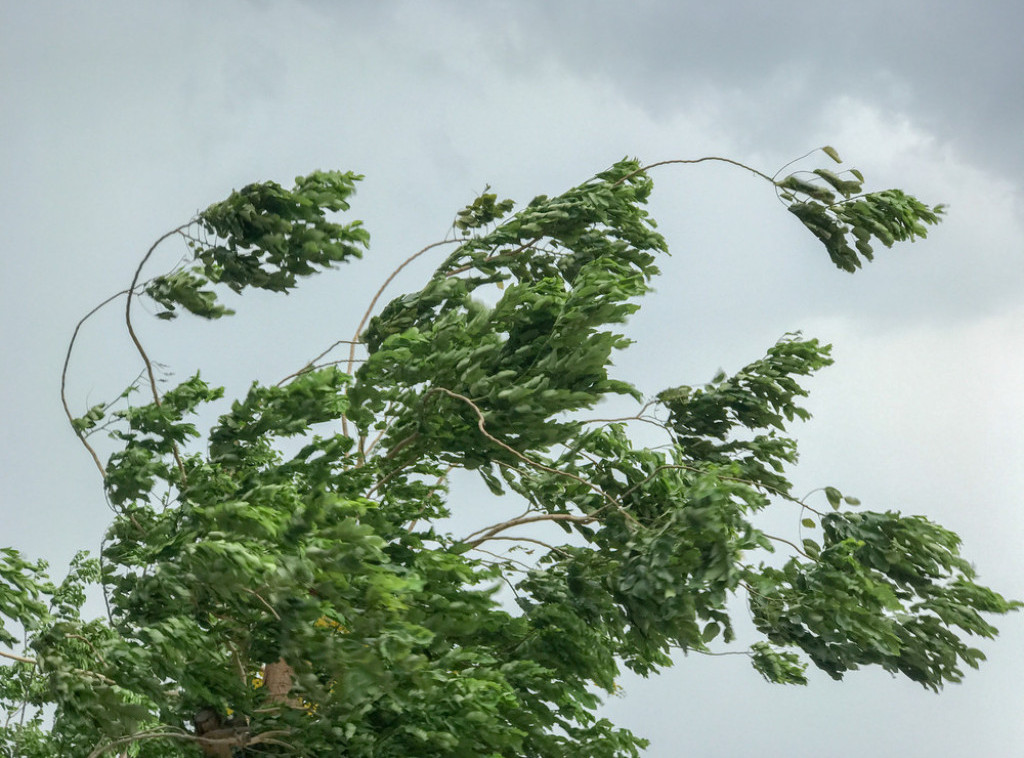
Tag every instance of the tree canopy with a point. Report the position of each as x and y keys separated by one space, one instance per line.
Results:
x=288 y=582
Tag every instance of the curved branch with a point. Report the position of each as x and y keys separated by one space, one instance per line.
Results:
x=380 y=291
x=649 y=166
x=311 y=364
x=64 y=379
x=552 y=548
x=525 y=246
x=373 y=304
x=135 y=338
x=128 y=308
x=481 y=425
x=492 y=532
x=787 y=542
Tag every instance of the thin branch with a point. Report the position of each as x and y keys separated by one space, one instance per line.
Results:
x=525 y=246
x=311 y=364
x=787 y=542
x=135 y=338
x=639 y=416
x=649 y=166
x=384 y=286
x=481 y=426
x=492 y=532
x=795 y=160
x=503 y=559
x=64 y=379
x=552 y=548
x=265 y=603
x=89 y=643
x=747 y=653
x=373 y=304
x=19 y=658
x=522 y=515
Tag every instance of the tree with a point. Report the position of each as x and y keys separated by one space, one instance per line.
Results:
x=284 y=583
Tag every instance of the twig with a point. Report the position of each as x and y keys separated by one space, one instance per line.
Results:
x=373 y=304
x=481 y=426
x=64 y=379
x=260 y=598
x=525 y=246
x=787 y=542
x=19 y=658
x=89 y=643
x=311 y=364
x=503 y=559
x=649 y=166
x=492 y=532
x=552 y=548
x=135 y=338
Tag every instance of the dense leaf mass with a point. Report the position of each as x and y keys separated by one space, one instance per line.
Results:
x=307 y=531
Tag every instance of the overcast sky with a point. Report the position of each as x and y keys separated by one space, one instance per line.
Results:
x=119 y=120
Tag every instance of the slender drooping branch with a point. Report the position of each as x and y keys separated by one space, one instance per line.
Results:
x=128 y=309
x=649 y=166
x=369 y=311
x=135 y=338
x=64 y=380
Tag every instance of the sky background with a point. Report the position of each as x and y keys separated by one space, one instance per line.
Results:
x=118 y=121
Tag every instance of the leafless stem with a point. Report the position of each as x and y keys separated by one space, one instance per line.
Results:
x=494 y=531
x=373 y=304
x=787 y=542
x=135 y=338
x=259 y=597
x=552 y=548
x=64 y=379
x=649 y=166
x=19 y=658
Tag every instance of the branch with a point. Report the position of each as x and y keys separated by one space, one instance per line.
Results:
x=64 y=380
x=373 y=304
x=552 y=548
x=787 y=542
x=265 y=603
x=240 y=737
x=311 y=364
x=481 y=425
x=19 y=658
x=492 y=532
x=649 y=166
x=525 y=246
x=135 y=338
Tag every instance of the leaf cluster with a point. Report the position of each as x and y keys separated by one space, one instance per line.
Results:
x=846 y=220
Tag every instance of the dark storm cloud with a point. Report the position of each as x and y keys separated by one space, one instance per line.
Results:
x=957 y=66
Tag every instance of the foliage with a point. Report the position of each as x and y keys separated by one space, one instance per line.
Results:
x=304 y=530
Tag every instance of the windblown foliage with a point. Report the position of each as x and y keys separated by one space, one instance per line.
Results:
x=230 y=560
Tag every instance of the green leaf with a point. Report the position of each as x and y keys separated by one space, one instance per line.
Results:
x=834 y=496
